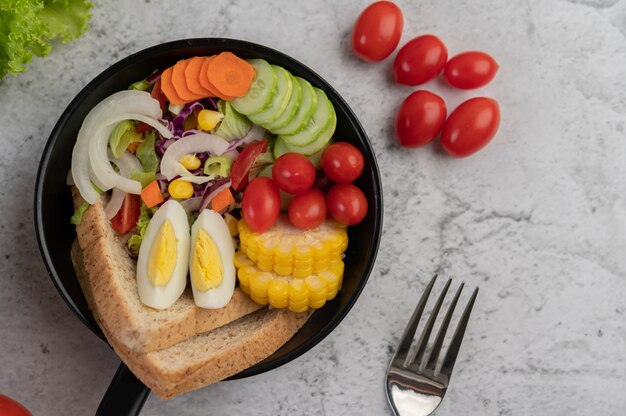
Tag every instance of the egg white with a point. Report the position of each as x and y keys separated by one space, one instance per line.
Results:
x=215 y=226
x=162 y=297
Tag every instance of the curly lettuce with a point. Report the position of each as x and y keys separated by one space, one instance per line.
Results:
x=134 y=242
x=28 y=27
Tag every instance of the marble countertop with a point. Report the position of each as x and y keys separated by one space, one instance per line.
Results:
x=537 y=219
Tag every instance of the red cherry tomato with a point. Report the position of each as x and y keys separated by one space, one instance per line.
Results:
x=471 y=126
x=243 y=163
x=293 y=173
x=346 y=203
x=9 y=407
x=261 y=204
x=308 y=210
x=420 y=60
x=470 y=70
x=420 y=118
x=377 y=31
x=342 y=162
x=126 y=218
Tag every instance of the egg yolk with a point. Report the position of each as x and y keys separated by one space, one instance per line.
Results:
x=206 y=267
x=162 y=259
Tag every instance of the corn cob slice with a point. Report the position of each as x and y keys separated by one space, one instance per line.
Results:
x=297 y=294
x=289 y=251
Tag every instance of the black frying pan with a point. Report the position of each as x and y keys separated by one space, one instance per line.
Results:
x=53 y=206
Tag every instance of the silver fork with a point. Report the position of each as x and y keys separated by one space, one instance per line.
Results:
x=415 y=383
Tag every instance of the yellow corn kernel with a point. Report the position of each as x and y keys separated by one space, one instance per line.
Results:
x=244 y=275
x=180 y=189
x=303 y=309
x=317 y=290
x=190 y=162
x=240 y=260
x=268 y=246
x=299 y=304
x=208 y=119
x=302 y=272
x=278 y=293
x=317 y=304
x=259 y=300
x=282 y=270
x=298 y=290
x=259 y=283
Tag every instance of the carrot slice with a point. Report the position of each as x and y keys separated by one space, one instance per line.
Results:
x=168 y=88
x=231 y=75
x=222 y=200
x=206 y=83
x=192 y=75
x=151 y=195
x=180 y=83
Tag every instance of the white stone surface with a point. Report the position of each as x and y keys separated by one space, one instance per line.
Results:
x=537 y=219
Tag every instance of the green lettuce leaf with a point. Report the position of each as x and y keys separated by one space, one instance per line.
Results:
x=233 y=125
x=146 y=154
x=122 y=135
x=27 y=28
x=142 y=85
x=78 y=213
x=134 y=242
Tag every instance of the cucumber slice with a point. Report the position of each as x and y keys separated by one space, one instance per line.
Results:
x=260 y=93
x=284 y=87
x=318 y=144
x=280 y=149
x=316 y=124
x=308 y=104
x=316 y=158
x=291 y=109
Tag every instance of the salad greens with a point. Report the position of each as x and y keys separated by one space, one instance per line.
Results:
x=78 y=213
x=134 y=242
x=233 y=125
x=122 y=135
x=149 y=161
x=27 y=28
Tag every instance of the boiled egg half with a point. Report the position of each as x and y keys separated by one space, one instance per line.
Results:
x=211 y=261
x=163 y=257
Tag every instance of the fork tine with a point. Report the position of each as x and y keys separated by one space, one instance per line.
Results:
x=431 y=361
x=457 y=339
x=411 y=327
x=422 y=342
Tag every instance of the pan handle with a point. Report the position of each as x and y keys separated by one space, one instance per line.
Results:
x=125 y=395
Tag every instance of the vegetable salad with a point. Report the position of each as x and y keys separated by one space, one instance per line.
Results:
x=220 y=168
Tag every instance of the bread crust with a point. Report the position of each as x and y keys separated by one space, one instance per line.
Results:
x=191 y=364
x=131 y=324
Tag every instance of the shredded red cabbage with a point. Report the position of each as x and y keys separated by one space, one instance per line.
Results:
x=154 y=77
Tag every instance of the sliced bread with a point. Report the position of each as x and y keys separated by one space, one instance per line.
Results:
x=205 y=358
x=131 y=324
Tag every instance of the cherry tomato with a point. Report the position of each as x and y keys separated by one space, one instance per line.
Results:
x=9 y=407
x=261 y=204
x=420 y=118
x=469 y=70
x=126 y=218
x=420 y=60
x=293 y=173
x=471 y=126
x=157 y=94
x=346 y=203
x=243 y=163
x=342 y=162
x=377 y=31
x=308 y=210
